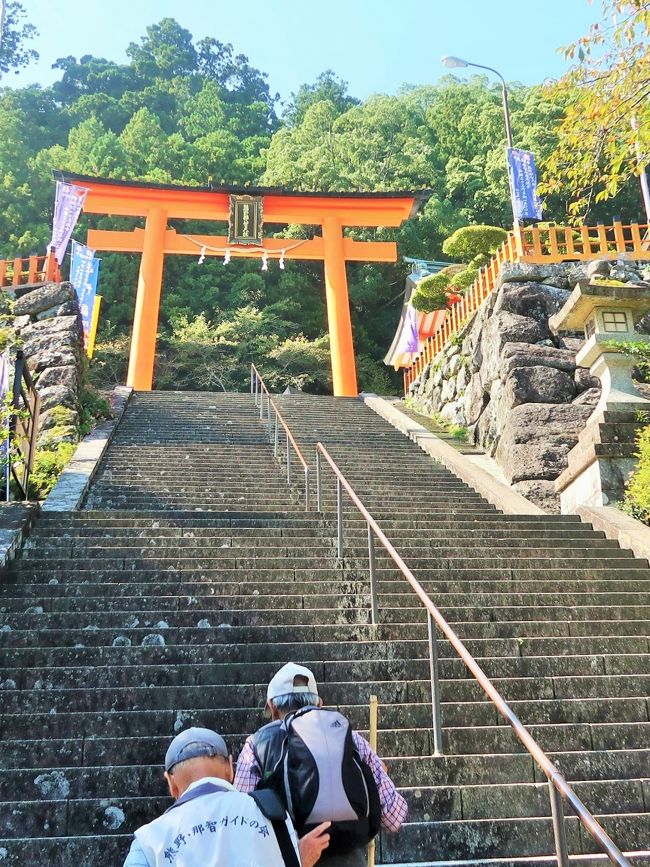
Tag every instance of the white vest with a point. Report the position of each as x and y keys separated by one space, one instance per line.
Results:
x=220 y=829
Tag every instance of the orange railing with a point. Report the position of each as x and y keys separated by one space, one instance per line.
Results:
x=33 y=269
x=534 y=245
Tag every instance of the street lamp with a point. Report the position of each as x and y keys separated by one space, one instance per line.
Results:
x=458 y=63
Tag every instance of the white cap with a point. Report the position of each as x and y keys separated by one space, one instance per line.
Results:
x=282 y=682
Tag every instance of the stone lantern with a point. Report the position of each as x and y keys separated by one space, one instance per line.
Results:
x=605 y=453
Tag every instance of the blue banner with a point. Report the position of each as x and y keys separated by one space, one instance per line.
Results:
x=84 y=271
x=522 y=174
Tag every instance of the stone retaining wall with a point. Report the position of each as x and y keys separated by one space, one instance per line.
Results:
x=513 y=383
x=48 y=328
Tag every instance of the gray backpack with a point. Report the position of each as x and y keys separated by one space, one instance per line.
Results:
x=310 y=761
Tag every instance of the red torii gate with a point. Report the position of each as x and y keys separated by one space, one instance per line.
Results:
x=159 y=202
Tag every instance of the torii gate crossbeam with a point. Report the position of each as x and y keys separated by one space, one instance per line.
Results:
x=158 y=203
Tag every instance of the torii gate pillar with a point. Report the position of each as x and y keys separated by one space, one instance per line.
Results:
x=147 y=302
x=344 y=374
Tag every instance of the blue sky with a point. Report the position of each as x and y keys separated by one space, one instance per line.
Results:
x=375 y=45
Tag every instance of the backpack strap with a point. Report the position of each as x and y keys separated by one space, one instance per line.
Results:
x=272 y=808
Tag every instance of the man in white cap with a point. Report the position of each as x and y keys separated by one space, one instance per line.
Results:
x=291 y=694
x=211 y=824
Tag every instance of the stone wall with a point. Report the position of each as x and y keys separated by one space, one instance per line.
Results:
x=513 y=383
x=48 y=327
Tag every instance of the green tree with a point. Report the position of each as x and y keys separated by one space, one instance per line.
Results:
x=604 y=137
x=166 y=51
x=327 y=88
x=14 y=54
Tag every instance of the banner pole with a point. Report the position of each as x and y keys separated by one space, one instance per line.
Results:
x=372 y=740
x=93 y=326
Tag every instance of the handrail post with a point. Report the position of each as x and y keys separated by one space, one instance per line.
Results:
x=276 y=435
x=306 y=489
x=435 y=686
x=339 y=519
x=268 y=420
x=559 y=829
x=252 y=375
x=374 y=610
x=261 y=404
x=288 y=460
x=319 y=507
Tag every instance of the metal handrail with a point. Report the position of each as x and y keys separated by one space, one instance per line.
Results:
x=558 y=787
x=258 y=390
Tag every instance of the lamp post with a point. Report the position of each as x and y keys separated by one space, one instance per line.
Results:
x=458 y=63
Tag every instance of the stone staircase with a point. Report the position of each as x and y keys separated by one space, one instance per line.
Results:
x=194 y=572
x=558 y=617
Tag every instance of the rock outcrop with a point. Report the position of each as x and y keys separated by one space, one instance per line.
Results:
x=514 y=383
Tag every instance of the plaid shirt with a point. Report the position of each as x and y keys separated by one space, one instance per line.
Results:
x=394 y=809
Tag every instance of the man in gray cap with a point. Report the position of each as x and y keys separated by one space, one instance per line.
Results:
x=211 y=824
x=266 y=760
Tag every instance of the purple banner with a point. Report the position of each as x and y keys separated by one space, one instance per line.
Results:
x=84 y=270
x=67 y=207
x=408 y=340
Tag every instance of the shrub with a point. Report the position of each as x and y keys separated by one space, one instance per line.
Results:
x=47 y=466
x=464 y=279
x=109 y=363
x=640 y=352
x=637 y=496
x=94 y=408
x=471 y=241
x=431 y=292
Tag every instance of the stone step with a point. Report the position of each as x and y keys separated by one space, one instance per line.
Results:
x=224 y=633
x=267 y=560
x=505 y=837
x=147 y=749
x=32 y=572
x=268 y=596
x=64 y=851
x=338 y=599
x=54 y=535
x=545 y=618
x=192 y=519
x=163 y=721
x=170 y=654
x=56 y=595
x=147 y=780
x=388 y=691
x=312 y=546
x=219 y=673
x=526 y=800
x=108 y=817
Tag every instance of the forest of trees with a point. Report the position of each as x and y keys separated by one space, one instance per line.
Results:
x=193 y=111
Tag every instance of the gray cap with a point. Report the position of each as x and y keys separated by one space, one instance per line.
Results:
x=192 y=743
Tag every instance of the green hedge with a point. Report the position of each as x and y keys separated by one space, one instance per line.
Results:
x=471 y=241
